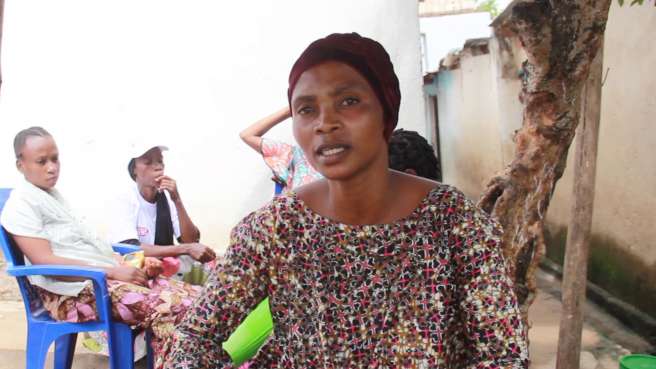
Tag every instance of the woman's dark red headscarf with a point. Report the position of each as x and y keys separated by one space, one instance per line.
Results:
x=367 y=56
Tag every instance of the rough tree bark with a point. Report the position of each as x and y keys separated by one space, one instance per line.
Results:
x=560 y=38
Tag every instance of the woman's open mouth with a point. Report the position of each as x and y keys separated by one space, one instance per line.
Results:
x=332 y=153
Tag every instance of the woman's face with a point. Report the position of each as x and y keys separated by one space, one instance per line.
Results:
x=148 y=167
x=338 y=121
x=39 y=162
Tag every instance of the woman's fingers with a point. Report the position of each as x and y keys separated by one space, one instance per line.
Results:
x=169 y=184
x=140 y=277
x=208 y=255
x=163 y=177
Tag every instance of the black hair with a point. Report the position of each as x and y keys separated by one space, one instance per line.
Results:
x=22 y=136
x=409 y=150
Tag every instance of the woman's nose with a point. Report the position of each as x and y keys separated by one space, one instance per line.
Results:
x=327 y=121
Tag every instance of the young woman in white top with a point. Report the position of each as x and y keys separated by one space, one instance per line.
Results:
x=151 y=213
x=47 y=232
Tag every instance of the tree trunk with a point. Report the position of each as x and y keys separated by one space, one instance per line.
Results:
x=560 y=38
x=578 y=234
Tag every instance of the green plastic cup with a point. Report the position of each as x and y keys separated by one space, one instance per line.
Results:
x=251 y=334
x=638 y=361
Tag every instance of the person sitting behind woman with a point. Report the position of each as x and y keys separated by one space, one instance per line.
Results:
x=409 y=152
x=368 y=267
x=150 y=213
x=287 y=162
x=47 y=232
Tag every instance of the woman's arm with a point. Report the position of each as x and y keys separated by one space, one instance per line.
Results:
x=197 y=251
x=253 y=134
x=38 y=251
x=189 y=233
x=492 y=321
x=234 y=288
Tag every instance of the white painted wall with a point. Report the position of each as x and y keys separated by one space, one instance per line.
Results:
x=625 y=190
x=446 y=33
x=468 y=117
x=95 y=73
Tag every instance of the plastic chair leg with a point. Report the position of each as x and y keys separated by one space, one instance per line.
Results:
x=150 y=358
x=38 y=342
x=64 y=351
x=121 y=347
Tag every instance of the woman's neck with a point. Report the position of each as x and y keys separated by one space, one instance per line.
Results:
x=362 y=200
x=148 y=193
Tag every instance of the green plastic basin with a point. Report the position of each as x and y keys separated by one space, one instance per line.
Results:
x=638 y=361
x=251 y=334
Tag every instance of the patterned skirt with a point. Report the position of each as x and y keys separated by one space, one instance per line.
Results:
x=159 y=307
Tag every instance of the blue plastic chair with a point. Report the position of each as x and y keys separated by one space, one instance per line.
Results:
x=42 y=330
x=278 y=189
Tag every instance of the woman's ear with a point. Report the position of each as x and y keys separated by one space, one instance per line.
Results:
x=19 y=165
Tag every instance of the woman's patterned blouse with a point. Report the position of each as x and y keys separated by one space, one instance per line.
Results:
x=428 y=291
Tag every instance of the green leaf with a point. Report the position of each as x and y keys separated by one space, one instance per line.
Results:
x=489 y=6
x=621 y=2
x=634 y=2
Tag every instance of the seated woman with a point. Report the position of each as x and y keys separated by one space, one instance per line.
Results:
x=47 y=232
x=368 y=267
x=151 y=213
x=287 y=162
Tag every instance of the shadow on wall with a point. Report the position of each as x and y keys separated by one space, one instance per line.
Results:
x=615 y=269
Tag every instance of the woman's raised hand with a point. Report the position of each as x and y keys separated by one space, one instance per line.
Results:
x=167 y=183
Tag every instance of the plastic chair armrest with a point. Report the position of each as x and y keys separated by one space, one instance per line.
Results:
x=124 y=248
x=97 y=275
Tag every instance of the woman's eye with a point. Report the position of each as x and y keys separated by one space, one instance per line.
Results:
x=304 y=110
x=350 y=101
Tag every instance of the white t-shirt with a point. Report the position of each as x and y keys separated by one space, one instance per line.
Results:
x=33 y=212
x=134 y=218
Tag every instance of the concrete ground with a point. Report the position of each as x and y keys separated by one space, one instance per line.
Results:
x=604 y=338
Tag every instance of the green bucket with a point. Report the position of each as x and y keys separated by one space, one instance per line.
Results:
x=251 y=334
x=638 y=361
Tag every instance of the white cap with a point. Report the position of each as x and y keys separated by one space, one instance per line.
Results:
x=139 y=147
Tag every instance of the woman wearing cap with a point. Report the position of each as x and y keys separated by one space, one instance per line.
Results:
x=48 y=232
x=287 y=162
x=151 y=212
x=368 y=267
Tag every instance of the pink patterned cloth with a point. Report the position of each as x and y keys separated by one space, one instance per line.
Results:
x=160 y=306
x=288 y=163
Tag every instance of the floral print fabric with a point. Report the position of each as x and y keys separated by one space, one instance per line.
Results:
x=428 y=291
x=159 y=307
x=288 y=163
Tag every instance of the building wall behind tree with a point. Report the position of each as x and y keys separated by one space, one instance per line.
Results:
x=193 y=73
x=623 y=248
x=476 y=141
